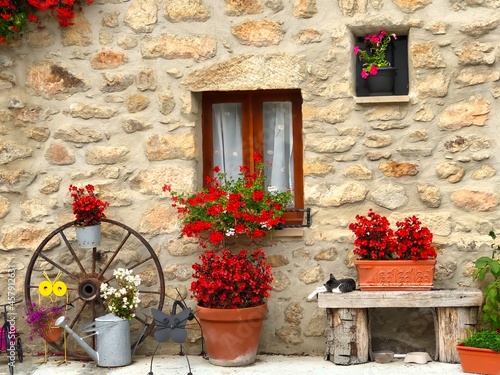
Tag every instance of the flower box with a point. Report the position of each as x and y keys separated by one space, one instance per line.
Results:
x=395 y=274
x=478 y=360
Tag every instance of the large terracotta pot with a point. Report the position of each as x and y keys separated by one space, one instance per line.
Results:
x=479 y=361
x=231 y=335
x=395 y=274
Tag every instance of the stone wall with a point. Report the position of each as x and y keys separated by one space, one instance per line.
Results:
x=115 y=101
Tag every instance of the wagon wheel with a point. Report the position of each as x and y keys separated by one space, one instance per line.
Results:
x=84 y=270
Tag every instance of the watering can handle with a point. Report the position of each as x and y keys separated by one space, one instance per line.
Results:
x=90 y=327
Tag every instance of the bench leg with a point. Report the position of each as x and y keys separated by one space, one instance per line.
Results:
x=349 y=337
x=453 y=325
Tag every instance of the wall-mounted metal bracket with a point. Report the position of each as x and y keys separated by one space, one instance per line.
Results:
x=308 y=220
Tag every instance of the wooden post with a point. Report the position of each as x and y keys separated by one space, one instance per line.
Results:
x=349 y=338
x=453 y=325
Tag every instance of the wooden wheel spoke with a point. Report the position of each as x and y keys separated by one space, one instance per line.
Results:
x=112 y=258
x=131 y=268
x=142 y=321
x=58 y=266
x=77 y=316
x=149 y=291
x=70 y=248
x=139 y=263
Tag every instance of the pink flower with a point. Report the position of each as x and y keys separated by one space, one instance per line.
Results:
x=373 y=70
x=356 y=50
x=364 y=74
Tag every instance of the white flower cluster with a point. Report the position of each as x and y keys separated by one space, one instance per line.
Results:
x=123 y=299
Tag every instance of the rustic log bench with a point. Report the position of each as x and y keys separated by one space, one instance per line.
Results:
x=349 y=339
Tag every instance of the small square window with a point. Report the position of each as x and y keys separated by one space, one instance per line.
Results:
x=397 y=55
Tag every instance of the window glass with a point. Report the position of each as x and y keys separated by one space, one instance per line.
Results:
x=227 y=141
x=278 y=144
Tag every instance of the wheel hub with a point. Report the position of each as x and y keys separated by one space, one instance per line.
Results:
x=89 y=289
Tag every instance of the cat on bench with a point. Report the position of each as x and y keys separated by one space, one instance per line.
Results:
x=335 y=286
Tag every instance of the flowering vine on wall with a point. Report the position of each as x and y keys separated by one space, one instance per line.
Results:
x=16 y=15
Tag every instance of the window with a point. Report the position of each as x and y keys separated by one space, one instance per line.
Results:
x=237 y=124
x=397 y=55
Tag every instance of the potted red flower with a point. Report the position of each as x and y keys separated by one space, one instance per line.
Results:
x=15 y=15
x=89 y=211
x=403 y=259
x=231 y=288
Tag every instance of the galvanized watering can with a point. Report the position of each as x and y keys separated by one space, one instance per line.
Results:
x=112 y=340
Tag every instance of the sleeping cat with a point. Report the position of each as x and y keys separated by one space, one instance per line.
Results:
x=335 y=286
x=340 y=286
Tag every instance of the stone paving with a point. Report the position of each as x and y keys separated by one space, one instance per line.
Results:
x=265 y=364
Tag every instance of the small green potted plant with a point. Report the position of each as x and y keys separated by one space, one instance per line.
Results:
x=480 y=351
x=374 y=54
x=376 y=69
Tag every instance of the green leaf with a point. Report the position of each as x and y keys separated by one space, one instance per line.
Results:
x=480 y=273
x=492 y=235
x=483 y=261
x=495 y=268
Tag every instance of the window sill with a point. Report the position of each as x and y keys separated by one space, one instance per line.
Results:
x=381 y=99
x=289 y=232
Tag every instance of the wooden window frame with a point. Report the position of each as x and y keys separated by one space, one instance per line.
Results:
x=252 y=133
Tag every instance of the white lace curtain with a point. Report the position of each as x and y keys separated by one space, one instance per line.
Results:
x=278 y=141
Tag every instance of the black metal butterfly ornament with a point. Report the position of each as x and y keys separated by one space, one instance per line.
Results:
x=171 y=326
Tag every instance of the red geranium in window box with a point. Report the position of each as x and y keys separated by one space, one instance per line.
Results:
x=231 y=208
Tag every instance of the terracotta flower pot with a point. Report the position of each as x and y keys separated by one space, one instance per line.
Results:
x=395 y=274
x=53 y=334
x=479 y=361
x=231 y=335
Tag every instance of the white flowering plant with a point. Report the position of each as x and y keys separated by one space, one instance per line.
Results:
x=123 y=299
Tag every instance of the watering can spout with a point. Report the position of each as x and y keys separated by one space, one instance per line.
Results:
x=60 y=322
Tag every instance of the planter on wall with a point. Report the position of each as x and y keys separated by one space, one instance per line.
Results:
x=478 y=360
x=395 y=274
x=231 y=335
x=382 y=83
x=89 y=237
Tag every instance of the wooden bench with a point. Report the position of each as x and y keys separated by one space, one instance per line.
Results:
x=349 y=339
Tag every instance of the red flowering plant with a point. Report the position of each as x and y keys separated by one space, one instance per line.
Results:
x=15 y=15
x=375 y=240
x=374 y=237
x=14 y=18
x=229 y=281
x=88 y=209
x=63 y=10
x=41 y=318
x=230 y=208
x=374 y=55
x=414 y=241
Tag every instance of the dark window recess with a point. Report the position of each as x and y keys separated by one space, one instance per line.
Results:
x=397 y=55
